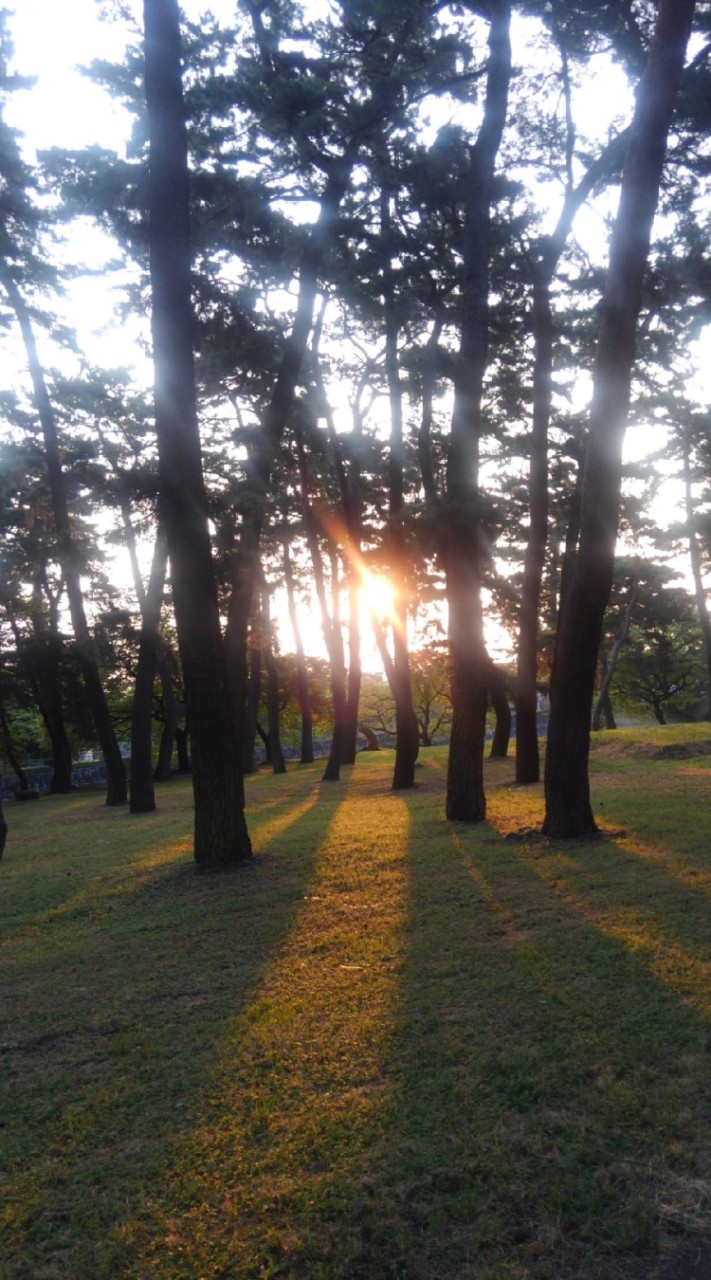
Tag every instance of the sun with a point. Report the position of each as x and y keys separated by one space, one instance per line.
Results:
x=377 y=595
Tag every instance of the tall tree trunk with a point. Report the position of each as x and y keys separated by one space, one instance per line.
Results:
x=339 y=687
x=182 y=739
x=695 y=558
x=407 y=736
x=67 y=554
x=500 y=703
x=302 y=676
x=603 y=706
x=3 y=831
x=254 y=696
x=52 y=712
x=142 y=790
x=526 y=699
x=464 y=545
x=278 y=762
x=42 y=659
x=330 y=620
x=10 y=752
x=163 y=769
x=349 y=489
x=567 y=787
x=221 y=835
x=355 y=670
x=543 y=271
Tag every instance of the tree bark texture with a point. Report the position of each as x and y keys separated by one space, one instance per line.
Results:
x=221 y=835
x=567 y=789
x=464 y=550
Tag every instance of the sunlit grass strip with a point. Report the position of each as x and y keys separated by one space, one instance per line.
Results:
x=297 y=1095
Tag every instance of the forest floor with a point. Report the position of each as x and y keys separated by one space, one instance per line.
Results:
x=391 y=1048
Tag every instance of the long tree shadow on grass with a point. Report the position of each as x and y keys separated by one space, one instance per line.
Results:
x=541 y=1103
x=450 y=1070
x=552 y=1114
x=118 y=999
x=445 y=1065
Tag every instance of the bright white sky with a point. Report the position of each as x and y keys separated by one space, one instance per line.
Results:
x=52 y=37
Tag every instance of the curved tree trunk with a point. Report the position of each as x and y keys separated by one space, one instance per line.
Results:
x=10 y=752
x=603 y=706
x=67 y=554
x=371 y=739
x=500 y=703
x=221 y=835
x=567 y=788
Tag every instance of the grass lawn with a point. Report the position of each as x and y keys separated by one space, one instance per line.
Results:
x=392 y=1048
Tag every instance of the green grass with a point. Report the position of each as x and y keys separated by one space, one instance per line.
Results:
x=393 y=1047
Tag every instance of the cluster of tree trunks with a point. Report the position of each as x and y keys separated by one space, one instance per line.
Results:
x=222 y=675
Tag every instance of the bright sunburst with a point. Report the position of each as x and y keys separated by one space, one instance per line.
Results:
x=377 y=595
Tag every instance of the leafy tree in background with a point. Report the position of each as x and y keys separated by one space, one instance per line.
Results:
x=430 y=692
x=661 y=664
